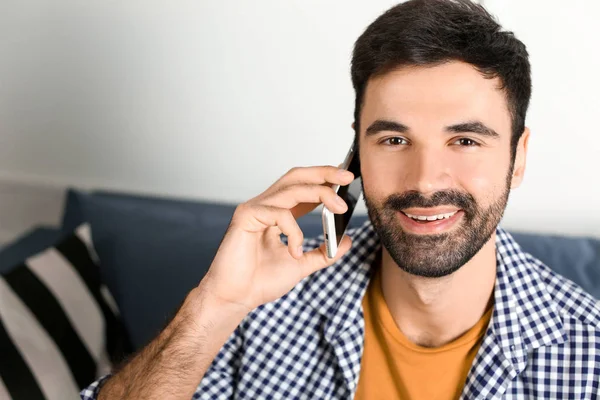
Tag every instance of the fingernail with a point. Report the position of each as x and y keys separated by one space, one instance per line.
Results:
x=299 y=251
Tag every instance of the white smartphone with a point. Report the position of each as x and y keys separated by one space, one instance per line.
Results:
x=334 y=225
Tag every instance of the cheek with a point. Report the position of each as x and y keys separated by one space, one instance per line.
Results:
x=485 y=179
x=381 y=177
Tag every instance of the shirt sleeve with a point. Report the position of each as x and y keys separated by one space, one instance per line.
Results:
x=220 y=379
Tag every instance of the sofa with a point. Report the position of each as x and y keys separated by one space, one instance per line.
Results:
x=152 y=251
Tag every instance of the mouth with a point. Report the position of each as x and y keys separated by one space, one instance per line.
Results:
x=427 y=222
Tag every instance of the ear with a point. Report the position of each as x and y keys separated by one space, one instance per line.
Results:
x=520 y=160
x=352 y=126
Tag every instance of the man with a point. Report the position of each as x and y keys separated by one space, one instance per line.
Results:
x=431 y=300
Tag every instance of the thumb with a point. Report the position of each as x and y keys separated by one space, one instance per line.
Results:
x=317 y=259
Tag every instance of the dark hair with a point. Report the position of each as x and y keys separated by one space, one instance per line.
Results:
x=432 y=32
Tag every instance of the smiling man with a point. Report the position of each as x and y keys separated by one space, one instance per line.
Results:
x=429 y=299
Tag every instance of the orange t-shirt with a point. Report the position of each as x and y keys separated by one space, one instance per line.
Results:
x=393 y=367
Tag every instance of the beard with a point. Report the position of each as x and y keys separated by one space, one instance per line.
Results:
x=436 y=255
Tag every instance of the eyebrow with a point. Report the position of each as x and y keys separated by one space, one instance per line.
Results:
x=383 y=125
x=476 y=127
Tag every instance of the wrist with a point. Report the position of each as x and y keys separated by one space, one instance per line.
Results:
x=202 y=313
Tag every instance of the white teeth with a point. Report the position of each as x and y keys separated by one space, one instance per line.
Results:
x=431 y=218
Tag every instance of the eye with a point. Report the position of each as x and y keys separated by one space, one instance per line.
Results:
x=466 y=142
x=394 y=141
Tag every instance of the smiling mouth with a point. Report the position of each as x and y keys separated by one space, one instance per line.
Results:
x=430 y=218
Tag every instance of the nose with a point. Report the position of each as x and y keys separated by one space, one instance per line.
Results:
x=428 y=171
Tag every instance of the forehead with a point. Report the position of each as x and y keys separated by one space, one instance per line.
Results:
x=436 y=96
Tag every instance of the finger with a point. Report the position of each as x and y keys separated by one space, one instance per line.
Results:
x=273 y=235
x=292 y=196
x=315 y=175
x=317 y=259
x=304 y=208
x=269 y=216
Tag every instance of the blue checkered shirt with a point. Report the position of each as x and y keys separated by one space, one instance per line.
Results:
x=543 y=340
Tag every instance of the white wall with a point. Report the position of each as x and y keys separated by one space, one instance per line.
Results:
x=216 y=99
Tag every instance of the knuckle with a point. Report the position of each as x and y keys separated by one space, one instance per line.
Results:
x=237 y=213
x=274 y=194
x=242 y=209
x=314 y=188
x=288 y=218
x=330 y=169
x=309 y=192
x=327 y=192
x=294 y=171
x=284 y=192
x=286 y=215
x=314 y=192
x=279 y=191
x=246 y=210
x=272 y=209
x=275 y=212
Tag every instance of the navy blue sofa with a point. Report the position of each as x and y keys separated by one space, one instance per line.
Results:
x=153 y=251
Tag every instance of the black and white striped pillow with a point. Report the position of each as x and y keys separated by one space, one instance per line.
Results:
x=59 y=327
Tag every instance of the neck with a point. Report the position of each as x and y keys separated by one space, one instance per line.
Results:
x=431 y=312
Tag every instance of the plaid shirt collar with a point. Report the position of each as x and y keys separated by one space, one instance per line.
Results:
x=525 y=317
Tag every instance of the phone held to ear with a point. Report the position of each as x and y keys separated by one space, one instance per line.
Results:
x=334 y=225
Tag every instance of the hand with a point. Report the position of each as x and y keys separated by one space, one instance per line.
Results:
x=252 y=266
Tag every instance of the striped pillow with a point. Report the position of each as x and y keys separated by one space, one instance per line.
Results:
x=59 y=327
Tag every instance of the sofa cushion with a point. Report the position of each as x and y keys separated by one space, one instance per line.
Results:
x=28 y=244
x=58 y=329
x=577 y=259
x=152 y=253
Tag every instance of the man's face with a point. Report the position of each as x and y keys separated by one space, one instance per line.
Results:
x=435 y=143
